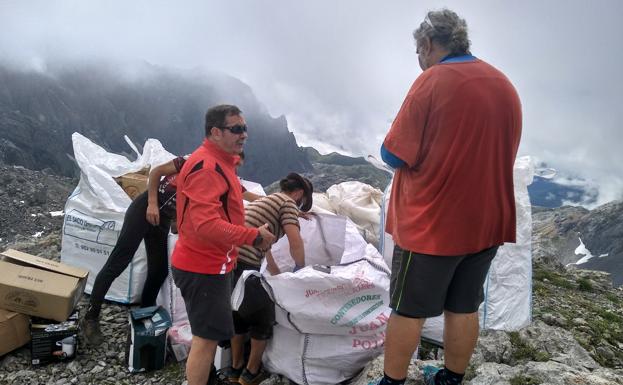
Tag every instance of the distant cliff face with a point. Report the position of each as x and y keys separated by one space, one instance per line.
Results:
x=39 y=112
x=556 y=234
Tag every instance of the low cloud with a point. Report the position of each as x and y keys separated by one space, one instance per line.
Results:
x=339 y=70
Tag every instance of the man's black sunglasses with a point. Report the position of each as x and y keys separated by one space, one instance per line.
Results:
x=237 y=129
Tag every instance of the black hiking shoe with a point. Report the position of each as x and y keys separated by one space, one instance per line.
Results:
x=247 y=378
x=229 y=375
x=91 y=331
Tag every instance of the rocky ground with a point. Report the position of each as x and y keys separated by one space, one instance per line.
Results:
x=27 y=199
x=576 y=336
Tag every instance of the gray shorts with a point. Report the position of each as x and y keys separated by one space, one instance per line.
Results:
x=423 y=286
x=208 y=303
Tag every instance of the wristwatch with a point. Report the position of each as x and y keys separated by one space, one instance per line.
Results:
x=258 y=240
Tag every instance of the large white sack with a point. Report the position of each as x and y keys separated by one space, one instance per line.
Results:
x=94 y=214
x=508 y=287
x=330 y=321
x=346 y=299
x=319 y=359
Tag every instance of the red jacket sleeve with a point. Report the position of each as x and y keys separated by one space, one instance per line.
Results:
x=203 y=189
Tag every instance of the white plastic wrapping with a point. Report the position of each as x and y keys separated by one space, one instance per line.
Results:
x=94 y=213
x=357 y=201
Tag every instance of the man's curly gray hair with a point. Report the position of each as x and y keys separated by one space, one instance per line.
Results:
x=445 y=28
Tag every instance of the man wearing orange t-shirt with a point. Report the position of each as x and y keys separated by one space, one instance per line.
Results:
x=453 y=144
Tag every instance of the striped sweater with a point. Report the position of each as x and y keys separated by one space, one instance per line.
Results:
x=277 y=210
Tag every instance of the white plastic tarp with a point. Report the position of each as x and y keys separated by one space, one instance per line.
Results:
x=508 y=287
x=94 y=213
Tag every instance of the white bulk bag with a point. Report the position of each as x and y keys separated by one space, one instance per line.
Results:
x=94 y=214
x=314 y=359
x=331 y=319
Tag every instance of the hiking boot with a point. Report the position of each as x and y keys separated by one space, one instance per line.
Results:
x=429 y=372
x=229 y=375
x=246 y=378
x=91 y=331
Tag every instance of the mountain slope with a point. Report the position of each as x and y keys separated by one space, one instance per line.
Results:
x=40 y=111
x=557 y=233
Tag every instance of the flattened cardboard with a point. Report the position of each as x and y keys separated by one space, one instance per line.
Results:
x=39 y=287
x=14 y=331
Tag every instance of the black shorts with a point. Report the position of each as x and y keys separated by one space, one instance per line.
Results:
x=423 y=286
x=256 y=314
x=208 y=303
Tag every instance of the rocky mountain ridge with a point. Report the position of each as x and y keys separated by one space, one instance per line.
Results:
x=40 y=111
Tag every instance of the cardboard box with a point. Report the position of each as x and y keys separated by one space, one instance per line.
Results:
x=13 y=331
x=133 y=183
x=39 y=287
x=53 y=341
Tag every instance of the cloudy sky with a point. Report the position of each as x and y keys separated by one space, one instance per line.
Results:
x=339 y=69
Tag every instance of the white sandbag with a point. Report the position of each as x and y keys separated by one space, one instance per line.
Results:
x=508 y=287
x=94 y=213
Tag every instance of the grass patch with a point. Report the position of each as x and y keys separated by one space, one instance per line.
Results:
x=523 y=380
x=584 y=284
x=608 y=315
x=613 y=298
x=522 y=351
x=553 y=277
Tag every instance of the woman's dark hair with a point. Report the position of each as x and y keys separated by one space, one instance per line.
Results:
x=293 y=182
x=215 y=117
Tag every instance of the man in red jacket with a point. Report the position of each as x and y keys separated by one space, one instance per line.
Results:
x=210 y=221
x=453 y=144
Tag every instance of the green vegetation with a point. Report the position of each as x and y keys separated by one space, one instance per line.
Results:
x=553 y=277
x=585 y=284
x=522 y=351
x=613 y=298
